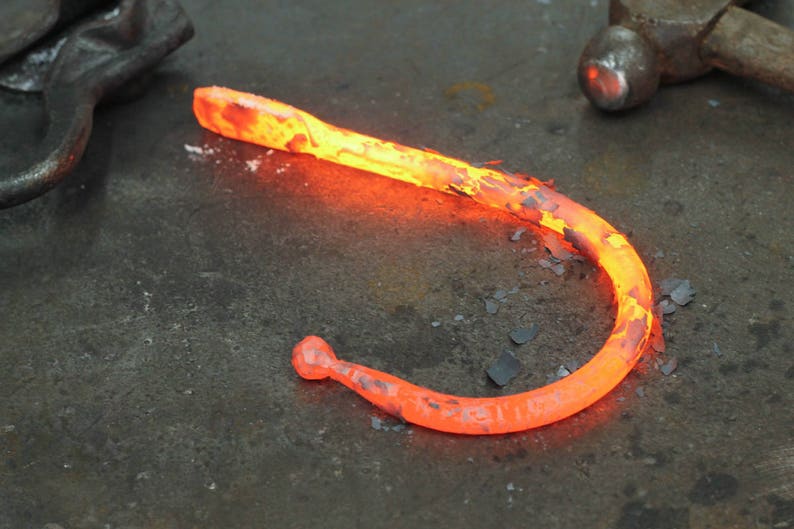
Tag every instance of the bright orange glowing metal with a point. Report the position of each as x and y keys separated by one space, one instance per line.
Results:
x=276 y=125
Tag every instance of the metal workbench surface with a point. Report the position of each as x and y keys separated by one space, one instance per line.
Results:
x=149 y=304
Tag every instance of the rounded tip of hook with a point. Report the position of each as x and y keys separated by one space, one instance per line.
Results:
x=313 y=358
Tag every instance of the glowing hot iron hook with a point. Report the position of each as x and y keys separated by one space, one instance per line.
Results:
x=276 y=125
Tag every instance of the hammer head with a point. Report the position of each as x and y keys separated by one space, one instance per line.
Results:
x=648 y=41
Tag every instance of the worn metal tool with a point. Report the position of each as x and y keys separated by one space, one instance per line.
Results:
x=669 y=41
x=24 y=22
x=76 y=69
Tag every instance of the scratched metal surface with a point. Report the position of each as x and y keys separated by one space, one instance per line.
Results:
x=150 y=303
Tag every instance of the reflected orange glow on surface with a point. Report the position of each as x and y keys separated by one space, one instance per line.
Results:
x=605 y=83
x=276 y=125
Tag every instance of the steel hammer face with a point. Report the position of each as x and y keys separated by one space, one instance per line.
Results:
x=669 y=41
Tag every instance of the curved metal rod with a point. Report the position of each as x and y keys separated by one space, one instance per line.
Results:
x=64 y=144
x=279 y=126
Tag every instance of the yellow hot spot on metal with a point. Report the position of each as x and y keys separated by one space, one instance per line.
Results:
x=548 y=220
x=617 y=240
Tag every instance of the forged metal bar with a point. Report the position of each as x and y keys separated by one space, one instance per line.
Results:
x=273 y=124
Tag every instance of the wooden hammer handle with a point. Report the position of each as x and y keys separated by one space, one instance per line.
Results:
x=746 y=44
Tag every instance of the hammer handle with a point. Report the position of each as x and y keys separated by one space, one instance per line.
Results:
x=750 y=45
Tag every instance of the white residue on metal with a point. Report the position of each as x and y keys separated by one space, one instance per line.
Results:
x=112 y=14
x=147 y=301
x=199 y=151
x=46 y=55
x=253 y=165
x=28 y=74
x=194 y=149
